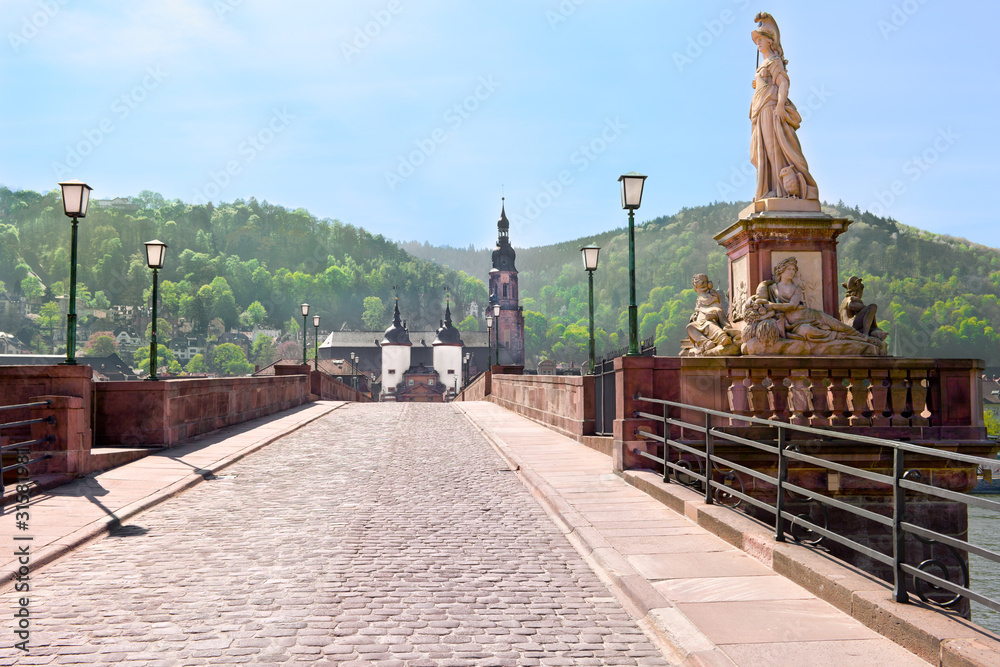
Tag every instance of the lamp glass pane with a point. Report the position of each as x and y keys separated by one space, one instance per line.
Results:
x=590 y=254
x=84 y=201
x=489 y=321
x=71 y=198
x=496 y=310
x=305 y=309
x=155 y=253
x=632 y=191
x=316 y=321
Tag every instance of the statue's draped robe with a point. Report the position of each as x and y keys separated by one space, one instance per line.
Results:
x=774 y=144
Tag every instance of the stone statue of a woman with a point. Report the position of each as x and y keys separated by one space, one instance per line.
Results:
x=782 y=170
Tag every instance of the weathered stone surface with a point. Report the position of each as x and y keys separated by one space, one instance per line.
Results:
x=384 y=533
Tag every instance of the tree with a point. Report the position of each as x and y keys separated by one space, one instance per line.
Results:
x=196 y=364
x=992 y=423
x=32 y=288
x=100 y=300
x=470 y=323
x=101 y=344
x=50 y=315
x=290 y=349
x=374 y=315
x=263 y=352
x=164 y=332
x=256 y=314
x=229 y=360
x=164 y=358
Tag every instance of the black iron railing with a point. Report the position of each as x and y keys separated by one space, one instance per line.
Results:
x=20 y=447
x=605 y=386
x=698 y=464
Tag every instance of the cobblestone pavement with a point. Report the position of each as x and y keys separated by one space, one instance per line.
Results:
x=382 y=534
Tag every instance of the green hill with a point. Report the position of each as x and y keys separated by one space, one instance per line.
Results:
x=938 y=295
x=221 y=259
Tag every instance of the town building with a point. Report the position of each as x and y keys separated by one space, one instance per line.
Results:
x=367 y=347
x=187 y=347
x=237 y=338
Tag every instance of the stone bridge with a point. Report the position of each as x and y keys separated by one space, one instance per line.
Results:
x=341 y=533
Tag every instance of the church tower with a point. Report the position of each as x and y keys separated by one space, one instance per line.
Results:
x=503 y=290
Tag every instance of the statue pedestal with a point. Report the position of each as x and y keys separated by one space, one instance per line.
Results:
x=772 y=230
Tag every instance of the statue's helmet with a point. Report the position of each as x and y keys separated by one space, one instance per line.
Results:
x=768 y=27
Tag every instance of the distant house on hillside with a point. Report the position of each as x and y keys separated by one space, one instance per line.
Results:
x=110 y=368
x=10 y=304
x=991 y=395
x=10 y=344
x=239 y=339
x=118 y=203
x=186 y=348
x=126 y=337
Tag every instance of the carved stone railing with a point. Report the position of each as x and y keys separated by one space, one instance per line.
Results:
x=915 y=400
x=824 y=397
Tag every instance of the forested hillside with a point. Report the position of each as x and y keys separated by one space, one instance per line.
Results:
x=221 y=260
x=252 y=263
x=938 y=295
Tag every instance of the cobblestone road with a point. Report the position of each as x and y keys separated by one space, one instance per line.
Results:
x=382 y=534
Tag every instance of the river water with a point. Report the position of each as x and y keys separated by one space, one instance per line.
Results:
x=984 y=531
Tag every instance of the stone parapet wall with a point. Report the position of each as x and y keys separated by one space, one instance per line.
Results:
x=564 y=403
x=478 y=389
x=164 y=413
x=19 y=384
x=331 y=389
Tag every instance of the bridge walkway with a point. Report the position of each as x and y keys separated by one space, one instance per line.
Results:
x=701 y=596
x=393 y=534
x=378 y=534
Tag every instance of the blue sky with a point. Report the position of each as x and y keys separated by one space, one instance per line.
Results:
x=408 y=118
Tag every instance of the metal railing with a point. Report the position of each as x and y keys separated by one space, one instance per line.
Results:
x=26 y=443
x=605 y=386
x=721 y=481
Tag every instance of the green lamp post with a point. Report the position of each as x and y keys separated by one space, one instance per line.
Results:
x=316 y=341
x=496 y=323
x=489 y=338
x=305 y=330
x=155 y=252
x=76 y=198
x=632 y=184
x=590 y=253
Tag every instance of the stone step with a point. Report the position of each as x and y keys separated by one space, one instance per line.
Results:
x=106 y=458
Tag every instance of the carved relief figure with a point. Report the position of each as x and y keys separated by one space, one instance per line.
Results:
x=793 y=327
x=782 y=170
x=708 y=331
x=854 y=312
x=739 y=302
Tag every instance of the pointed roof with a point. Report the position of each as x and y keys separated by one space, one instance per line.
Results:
x=448 y=334
x=396 y=334
x=503 y=224
x=503 y=255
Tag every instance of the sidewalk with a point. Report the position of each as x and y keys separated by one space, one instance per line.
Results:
x=707 y=602
x=67 y=517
